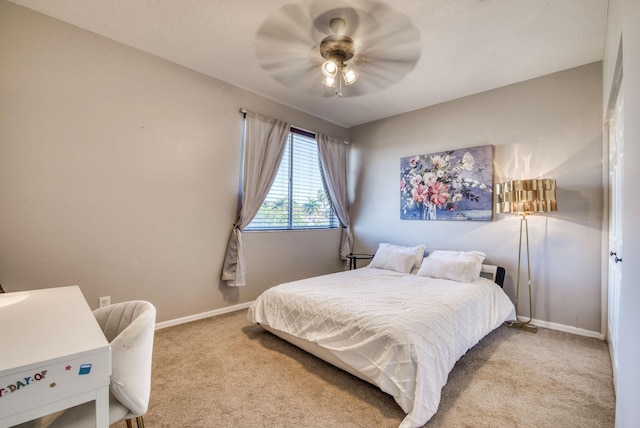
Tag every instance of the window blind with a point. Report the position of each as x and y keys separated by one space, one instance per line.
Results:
x=297 y=199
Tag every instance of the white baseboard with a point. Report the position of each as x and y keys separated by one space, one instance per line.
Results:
x=614 y=360
x=203 y=315
x=240 y=306
x=568 y=329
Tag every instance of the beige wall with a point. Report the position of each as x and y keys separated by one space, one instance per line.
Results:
x=119 y=172
x=623 y=19
x=546 y=127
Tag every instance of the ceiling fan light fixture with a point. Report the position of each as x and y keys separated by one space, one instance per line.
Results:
x=337 y=49
x=349 y=75
x=376 y=41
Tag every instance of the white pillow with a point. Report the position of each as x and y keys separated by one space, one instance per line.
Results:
x=462 y=266
x=397 y=258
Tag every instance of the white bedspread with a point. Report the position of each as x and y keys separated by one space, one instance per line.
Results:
x=404 y=332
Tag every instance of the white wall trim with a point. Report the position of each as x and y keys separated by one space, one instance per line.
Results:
x=203 y=315
x=614 y=363
x=240 y=306
x=568 y=329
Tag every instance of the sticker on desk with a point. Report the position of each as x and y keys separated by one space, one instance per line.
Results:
x=84 y=369
x=21 y=383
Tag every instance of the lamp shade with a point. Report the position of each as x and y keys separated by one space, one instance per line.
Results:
x=526 y=196
x=349 y=75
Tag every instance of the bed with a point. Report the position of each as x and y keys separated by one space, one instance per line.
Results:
x=399 y=327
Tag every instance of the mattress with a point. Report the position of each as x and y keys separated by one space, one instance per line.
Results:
x=401 y=332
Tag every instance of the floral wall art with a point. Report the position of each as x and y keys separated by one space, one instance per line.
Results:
x=451 y=185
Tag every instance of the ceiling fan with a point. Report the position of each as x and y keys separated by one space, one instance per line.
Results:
x=326 y=48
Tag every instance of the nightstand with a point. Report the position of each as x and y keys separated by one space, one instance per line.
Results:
x=353 y=259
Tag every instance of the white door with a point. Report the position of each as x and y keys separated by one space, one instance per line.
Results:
x=616 y=164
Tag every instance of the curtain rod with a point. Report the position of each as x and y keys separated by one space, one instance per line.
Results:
x=244 y=112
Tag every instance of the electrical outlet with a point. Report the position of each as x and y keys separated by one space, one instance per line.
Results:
x=104 y=301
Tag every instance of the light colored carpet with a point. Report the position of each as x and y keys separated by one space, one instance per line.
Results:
x=225 y=372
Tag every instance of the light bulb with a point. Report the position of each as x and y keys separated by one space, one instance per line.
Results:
x=329 y=68
x=329 y=81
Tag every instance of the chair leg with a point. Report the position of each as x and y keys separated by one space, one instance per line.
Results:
x=139 y=422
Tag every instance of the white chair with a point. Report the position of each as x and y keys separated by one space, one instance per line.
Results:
x=129 y=327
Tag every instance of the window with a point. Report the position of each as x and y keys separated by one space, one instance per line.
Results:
x=297 y=199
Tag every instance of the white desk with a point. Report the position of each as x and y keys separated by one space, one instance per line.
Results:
x=53 y=355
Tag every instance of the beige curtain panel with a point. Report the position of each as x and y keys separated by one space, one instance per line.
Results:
x=265 y=139
x=333 y=164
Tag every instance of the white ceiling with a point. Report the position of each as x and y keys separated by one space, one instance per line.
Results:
x=467 y=46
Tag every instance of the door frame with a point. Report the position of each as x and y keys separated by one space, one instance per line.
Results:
x=608 y=117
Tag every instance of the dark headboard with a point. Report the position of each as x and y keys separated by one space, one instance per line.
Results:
x=494 y=273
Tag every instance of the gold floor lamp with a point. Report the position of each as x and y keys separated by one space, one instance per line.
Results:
x=524 y=197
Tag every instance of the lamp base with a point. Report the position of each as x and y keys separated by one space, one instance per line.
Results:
x=523 y=326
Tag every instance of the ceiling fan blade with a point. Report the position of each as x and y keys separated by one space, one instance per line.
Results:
x=400 y=39
x=382 y=67
x=290 y=23
x=283 y=47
